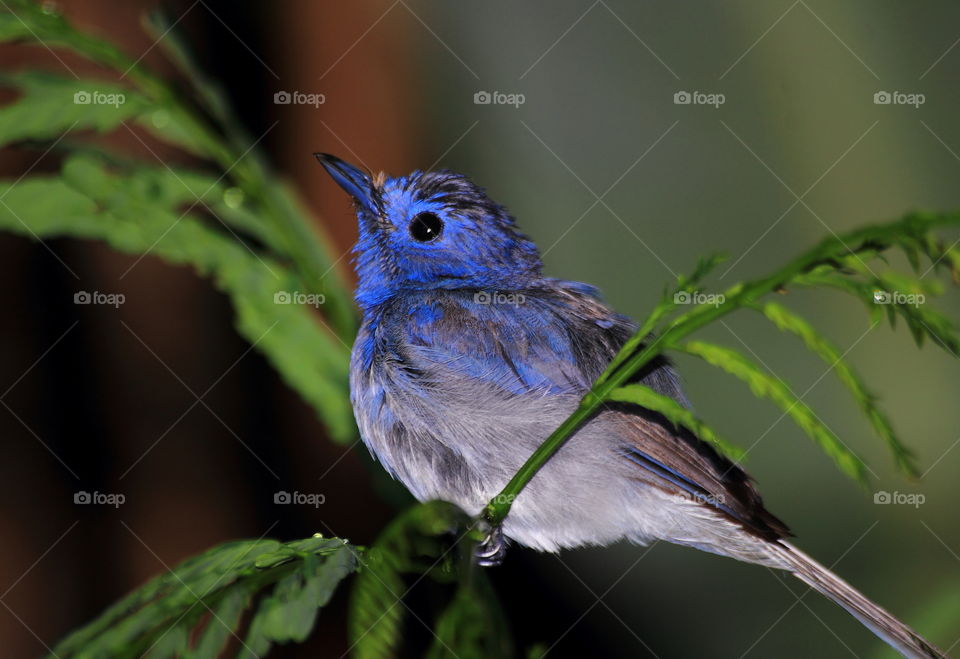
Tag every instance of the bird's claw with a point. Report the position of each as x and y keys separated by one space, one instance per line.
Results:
x=493 y=549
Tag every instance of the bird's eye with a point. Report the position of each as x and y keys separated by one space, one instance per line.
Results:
x=426 y=227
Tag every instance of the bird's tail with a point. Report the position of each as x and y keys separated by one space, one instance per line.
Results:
x=900 y=637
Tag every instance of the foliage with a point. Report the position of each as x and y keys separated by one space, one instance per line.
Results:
x=423 y=543
x=204 y=599
x=225 y=214
x=231 y=219
x=838 y=262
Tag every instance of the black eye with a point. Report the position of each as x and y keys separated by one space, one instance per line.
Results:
x=426 y=227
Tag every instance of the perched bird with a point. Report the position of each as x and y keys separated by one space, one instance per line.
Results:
x=468 y=357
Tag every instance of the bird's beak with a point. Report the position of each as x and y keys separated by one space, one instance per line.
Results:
x=356 y=183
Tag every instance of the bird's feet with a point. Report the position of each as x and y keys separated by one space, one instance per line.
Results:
x=493 y=549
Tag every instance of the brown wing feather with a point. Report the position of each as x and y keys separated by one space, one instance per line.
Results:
x=716 y=481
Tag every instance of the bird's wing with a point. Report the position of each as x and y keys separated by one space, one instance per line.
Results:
x=550 y=341
x=557 y=342
x=695 y=468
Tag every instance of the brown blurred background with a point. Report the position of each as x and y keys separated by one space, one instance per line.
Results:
x=102 y=399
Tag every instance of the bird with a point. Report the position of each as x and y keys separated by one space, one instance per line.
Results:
x=468 y=356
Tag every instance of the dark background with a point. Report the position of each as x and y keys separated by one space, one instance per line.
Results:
x=103 y=399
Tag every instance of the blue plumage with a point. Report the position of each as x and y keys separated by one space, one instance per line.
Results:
x=468 y=357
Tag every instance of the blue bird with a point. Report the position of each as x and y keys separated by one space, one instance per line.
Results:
x=468 y=357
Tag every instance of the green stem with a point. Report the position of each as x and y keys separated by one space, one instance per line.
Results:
x=498 y=508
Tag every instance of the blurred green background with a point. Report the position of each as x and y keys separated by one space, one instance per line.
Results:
x=797 y=150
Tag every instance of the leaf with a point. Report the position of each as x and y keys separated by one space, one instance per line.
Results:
x=297 y=599
x=172 y=644
x=644 y=396
x=952 y=257
x=51 y=105
x=412 y=544
x=186 y=189
x=138 y=214
x=376 y=609
x=257 y=643
x=218 y=586
x=765 y=386
x=538 y=651
x=788 y=321
x=473 y=625
x=154 y=589
x=163 y=30
x=922 y=320
x=223 y=624
x=177 y=120
x=667 y=304
x=15 y=26
x=704 y=267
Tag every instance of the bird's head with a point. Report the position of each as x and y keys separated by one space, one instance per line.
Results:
x=431 y=230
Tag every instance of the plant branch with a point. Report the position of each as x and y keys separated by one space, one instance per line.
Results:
x=910 y=234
